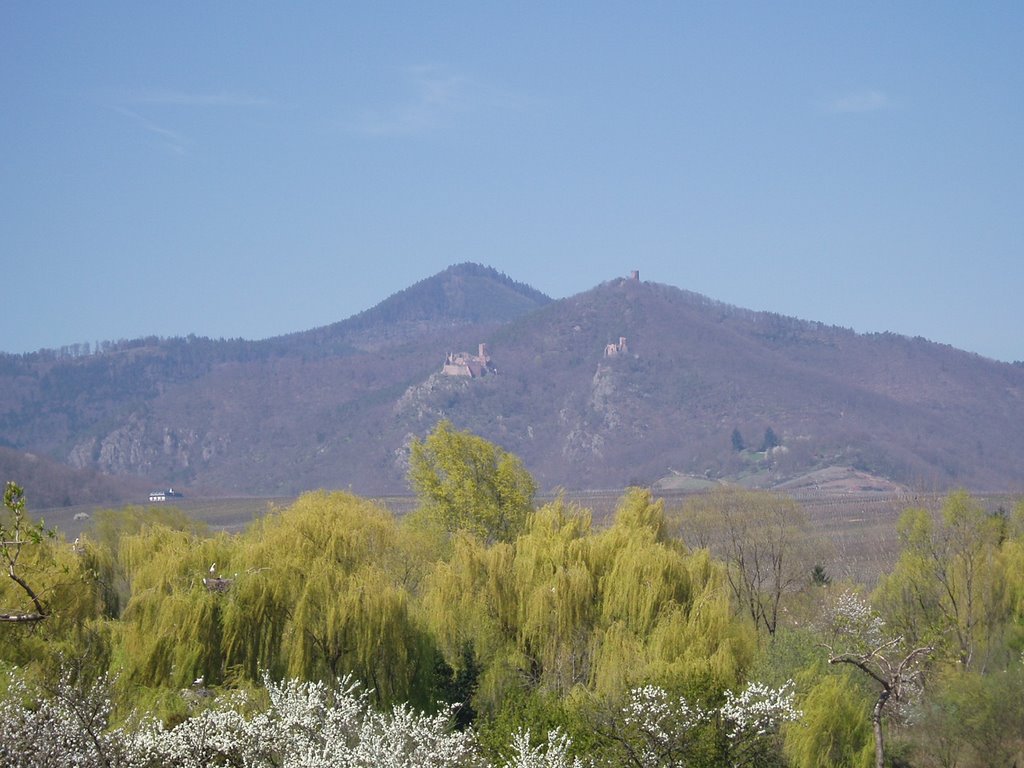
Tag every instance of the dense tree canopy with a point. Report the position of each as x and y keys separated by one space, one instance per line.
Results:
x=311 y=592
x=469 y=484
x=491 y=633
x=566 y=608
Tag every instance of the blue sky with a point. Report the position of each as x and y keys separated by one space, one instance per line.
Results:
x=251 y=169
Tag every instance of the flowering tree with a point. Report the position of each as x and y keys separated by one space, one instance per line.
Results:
x=308 y=724
x=752 y=717
x=64 y=726
x=856 y=636
x=658 y=730
x=315 y=725
x=554 y=753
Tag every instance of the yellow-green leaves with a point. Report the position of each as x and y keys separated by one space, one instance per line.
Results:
x=470 y=484
x=15 y=533
x=315 y=591
x=949 y=587
x=565 y=608
x=835 y=731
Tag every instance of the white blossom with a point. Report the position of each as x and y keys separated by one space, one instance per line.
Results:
x=852 y=619
x=308 y=725
x=316 y=725
x=662 y=729
x=758 y=711
x=553 y=753
x=63 y=727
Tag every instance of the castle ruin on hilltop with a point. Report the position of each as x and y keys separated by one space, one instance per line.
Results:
x=469 y=365
x=614 y=350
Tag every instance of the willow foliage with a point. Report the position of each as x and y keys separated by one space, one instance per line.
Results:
x=555 y=594
x=700 y=642
x=469 y=602
x=320 y=593
x=100 y=548
x=640 y=579
x=314 y=591
x=170 y=630
x=565 y=608
x=672 y=604
x=835 y=731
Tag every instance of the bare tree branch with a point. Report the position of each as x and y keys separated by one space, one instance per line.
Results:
x=12 y=540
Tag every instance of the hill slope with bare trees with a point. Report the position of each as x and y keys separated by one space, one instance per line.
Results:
x=629 y=383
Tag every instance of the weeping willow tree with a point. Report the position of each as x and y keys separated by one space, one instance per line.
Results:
x=555 y=596
x=564 y=608
x=170 y=632
x=320 y=593
x=313 y=591
x=526 y=610
x=835 y=730
x=100 y=545
x=470 y=606
x=667 y=617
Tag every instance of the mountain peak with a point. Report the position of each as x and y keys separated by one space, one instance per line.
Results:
x=464 y=292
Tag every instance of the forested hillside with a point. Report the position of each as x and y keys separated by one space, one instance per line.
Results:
x=483 y=629
x=58 y=485
x=631 y=382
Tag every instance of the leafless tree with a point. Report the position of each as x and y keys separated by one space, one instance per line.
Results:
x=856 y=636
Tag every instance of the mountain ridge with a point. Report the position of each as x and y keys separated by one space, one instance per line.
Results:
x=338 y=406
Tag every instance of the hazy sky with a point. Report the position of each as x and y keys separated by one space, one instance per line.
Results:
x=251 y=169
